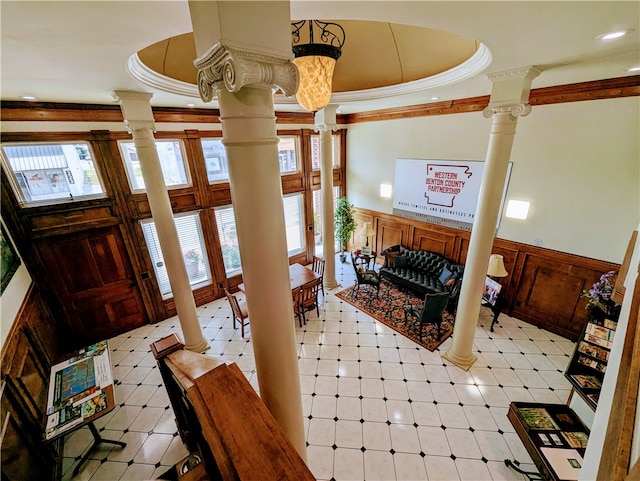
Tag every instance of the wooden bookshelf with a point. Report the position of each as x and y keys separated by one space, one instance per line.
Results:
x=589 y=362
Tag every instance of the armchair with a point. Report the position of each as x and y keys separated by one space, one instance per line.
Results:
x=364 y=277
x=429 y=311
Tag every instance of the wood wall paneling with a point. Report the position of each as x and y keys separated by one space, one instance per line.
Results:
x=25 y=365
x=543 y=286
x=93 y=275
x=391 y=233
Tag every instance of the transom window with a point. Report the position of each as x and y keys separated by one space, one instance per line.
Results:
x=193 y=251
x=52 y=173
x=215 y=157
x=171 y=161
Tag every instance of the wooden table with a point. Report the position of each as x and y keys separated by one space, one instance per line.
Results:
x=299 y=276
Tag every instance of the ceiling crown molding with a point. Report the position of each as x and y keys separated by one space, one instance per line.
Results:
x=472 y=66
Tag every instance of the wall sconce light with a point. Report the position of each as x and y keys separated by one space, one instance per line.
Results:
x=385 y=190
x=517 y=209
x=315 y=60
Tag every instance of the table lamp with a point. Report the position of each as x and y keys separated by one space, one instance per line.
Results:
x=367 y=231
x=496 y=266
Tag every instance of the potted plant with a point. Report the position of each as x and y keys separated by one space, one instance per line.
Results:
x=345 y=224
x=192 y=260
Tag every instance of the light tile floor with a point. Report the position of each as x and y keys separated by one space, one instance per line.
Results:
x=376 y=405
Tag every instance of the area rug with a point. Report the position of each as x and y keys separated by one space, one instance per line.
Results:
x=389 y=310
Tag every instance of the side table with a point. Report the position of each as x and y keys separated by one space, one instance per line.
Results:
x=365 y=259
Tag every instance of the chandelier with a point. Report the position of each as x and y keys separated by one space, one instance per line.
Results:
x=315 y=60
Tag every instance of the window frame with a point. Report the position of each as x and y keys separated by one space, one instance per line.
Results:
x=128 y=167
x=198 y=282
x=224 y=161
x=68 y=197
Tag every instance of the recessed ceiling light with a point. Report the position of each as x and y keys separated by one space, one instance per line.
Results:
x=28 y=97
x=191 y=105
x=612 y=35
x=633 y=69
x=434 y=98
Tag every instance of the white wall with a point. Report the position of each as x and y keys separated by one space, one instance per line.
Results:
x=12 y=298
x=577 y=163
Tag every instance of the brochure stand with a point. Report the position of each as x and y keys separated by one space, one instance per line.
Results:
x=553 y=435
x=81 y=391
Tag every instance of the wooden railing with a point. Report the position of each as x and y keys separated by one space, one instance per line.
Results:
x=221 y=419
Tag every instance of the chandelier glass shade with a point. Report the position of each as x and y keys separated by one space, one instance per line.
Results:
x=316 y=50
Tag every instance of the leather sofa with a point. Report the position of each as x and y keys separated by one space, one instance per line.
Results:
x=422 y=272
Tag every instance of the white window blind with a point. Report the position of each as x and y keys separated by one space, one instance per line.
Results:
x=294 y=223
x=193 y=251
x=317 y=215
x=228 y=240
x=293 y=209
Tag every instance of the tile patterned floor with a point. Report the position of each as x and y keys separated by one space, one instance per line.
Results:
x=376 y=405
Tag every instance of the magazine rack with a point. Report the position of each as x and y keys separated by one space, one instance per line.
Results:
x=586 y=369
x=553 y=435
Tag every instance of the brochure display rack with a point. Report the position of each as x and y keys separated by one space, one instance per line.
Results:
x=554 y=437
x=586 y=369
x=80 y=391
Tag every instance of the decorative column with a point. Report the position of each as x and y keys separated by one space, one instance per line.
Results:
x=325 y=120
x=138 y=118
x=509 y=100
x=243 y=79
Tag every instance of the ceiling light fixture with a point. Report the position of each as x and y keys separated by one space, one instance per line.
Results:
x=315 y=60
x=633 y=69
x=612 y=35
x=28 y=97
x=434 y=98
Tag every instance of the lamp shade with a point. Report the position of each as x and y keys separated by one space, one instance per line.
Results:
x=315 y=75
x=367 y=230
x=496 y=266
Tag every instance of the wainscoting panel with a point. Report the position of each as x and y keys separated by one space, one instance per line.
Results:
x=390 y=233
x=435 y=241
x=543 y=286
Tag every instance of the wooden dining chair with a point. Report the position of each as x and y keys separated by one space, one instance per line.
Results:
x=309 y=297
x=318 y=268
x=239 y=308
x=297 y=306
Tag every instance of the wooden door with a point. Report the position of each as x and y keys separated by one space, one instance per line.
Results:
x=95 y=282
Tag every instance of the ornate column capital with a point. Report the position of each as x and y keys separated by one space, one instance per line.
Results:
x=325 y=119
x=516 y=110
x=237 y=68
x=136 y=110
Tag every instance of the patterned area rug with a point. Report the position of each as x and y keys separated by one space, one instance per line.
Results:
x=389 y=310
